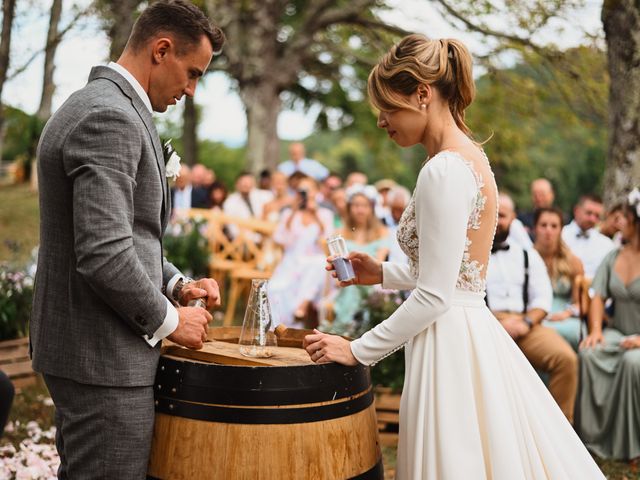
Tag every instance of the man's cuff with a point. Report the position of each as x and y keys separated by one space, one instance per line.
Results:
x=171 y=285
x=168 y=326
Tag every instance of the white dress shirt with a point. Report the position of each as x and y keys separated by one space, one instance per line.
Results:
x=590 y=246
x=311 y=168
x=505 y=280
x=182 y=198
x=236 y=206
x=170 y=322
x=518 y=234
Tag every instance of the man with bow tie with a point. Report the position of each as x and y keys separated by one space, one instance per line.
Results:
x=104 y=295
x=519 y=294
x=584 y=240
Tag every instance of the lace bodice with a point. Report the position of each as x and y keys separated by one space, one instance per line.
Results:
x=471 y=275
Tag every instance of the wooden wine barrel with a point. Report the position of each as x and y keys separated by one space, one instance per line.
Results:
x=287 y=420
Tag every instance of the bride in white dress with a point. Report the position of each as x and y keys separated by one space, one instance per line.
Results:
x=472 y=406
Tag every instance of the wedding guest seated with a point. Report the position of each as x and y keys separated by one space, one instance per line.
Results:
x=217 y=195
x=294 y=179
x=264 y=179
x=339 y=201
x=183 y=195
x=519 y=295
x=610 y=356
x=584 y=240
x=298 y=162
x=356 y=178
x=201 y=180
x=383 y=211
x=611 y=226
x=298 y=280
x=247 y=201
x=327 y=187
x=399 y=197
x=282 y=199
x=363 y=232
x=563 y=267
x=542 y=196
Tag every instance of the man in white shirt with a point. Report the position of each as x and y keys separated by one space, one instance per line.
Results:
x=584 y=240
x=299 y=163
x=182 y=190
x=247 y=201
x=519 y=294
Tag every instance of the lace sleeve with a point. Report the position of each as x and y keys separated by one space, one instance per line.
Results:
x=445 y=194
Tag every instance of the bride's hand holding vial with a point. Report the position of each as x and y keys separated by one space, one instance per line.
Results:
x=353 y=268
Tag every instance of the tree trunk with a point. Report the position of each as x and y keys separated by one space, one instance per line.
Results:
x=189 y=133
x=8 y=12
x=121 y=17
x=621 y=20
x=263 y=104
x=48 y=86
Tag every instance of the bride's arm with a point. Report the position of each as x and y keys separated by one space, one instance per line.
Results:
x=397 y=276
x=444 y=198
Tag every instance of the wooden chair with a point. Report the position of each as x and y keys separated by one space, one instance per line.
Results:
x=251 y=254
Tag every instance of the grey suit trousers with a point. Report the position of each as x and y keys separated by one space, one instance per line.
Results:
x=106 y=431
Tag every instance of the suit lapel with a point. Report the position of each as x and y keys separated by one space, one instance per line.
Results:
x=147 y=120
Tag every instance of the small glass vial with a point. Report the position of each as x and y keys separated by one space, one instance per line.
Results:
x=338 y=249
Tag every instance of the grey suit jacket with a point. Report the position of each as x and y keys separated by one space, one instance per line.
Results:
x=103 y=209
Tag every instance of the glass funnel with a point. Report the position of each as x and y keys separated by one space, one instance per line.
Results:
x=257 y=338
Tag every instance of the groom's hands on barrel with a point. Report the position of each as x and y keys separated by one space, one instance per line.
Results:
x=193 y=325
x=325 y=348
x=368 y=270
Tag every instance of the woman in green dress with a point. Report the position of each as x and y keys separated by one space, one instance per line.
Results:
x=363 y=232
x=609 y=418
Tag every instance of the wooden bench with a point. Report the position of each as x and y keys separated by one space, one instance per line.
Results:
x=15 y=362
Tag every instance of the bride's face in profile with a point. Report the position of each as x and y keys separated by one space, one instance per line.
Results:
x=404 y=126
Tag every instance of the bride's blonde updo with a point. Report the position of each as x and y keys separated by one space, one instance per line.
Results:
x=445 y=64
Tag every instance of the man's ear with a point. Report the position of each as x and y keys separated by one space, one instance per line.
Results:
x=161 y=47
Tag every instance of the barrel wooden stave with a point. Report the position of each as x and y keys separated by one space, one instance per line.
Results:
x=338 y=449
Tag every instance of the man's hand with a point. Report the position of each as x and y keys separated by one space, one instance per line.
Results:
x=205 y=287
x=513 y=323
x=325 y=348
x=192 y=327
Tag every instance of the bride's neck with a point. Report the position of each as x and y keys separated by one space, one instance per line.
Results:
x=442 y=133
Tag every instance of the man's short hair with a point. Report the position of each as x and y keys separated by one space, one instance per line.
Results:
x=244 y=173
x=589 y=197
x=179 y=18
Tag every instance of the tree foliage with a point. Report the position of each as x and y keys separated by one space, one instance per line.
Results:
x=300 y=52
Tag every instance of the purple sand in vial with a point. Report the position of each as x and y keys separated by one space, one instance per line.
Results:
x=344 y=269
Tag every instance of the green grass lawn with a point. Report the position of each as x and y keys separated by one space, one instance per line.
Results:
x=19 y=222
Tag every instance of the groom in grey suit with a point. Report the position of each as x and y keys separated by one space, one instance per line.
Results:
x=104 y=295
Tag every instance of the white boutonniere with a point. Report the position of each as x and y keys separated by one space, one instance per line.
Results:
x=171 y=161
x=634 y=200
